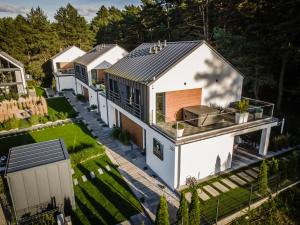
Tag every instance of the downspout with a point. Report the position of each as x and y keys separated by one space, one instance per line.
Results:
x=178 y=165
x=97 y=92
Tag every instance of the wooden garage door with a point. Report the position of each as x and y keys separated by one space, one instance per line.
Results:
x=135 y=131
x=85 y=93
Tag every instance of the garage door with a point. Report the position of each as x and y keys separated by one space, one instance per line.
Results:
x=135 y=131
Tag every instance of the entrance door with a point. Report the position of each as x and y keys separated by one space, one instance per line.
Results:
x=85 y=92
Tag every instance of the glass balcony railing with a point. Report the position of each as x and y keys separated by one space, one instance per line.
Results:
x=207 y=119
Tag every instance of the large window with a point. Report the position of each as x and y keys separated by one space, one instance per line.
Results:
x=160 y=107
x=158 y=149
x=94 y=75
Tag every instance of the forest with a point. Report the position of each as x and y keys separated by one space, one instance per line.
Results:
x=260 y=37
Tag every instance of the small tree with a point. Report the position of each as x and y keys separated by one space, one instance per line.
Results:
x=292 y=166
x=182 y=213
x=274 y=167
x=263 y=178
x=194 y=212
x=283 y=170
x=162 y=215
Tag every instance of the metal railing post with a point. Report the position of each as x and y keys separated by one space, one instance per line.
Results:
x=250 y=196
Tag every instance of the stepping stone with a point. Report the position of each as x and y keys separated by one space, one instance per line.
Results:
x=220 y=186
x=75 y=181
x=100 y=171
x=245 y=176
x=255 y=169
x=72 y=171
x=229 y=183
x=252 y=173
x=92 y=174
x=108 y=168
x=188 y=197
x=202 y=195
x=237 y=180
x=211 y=190
x=84 y=179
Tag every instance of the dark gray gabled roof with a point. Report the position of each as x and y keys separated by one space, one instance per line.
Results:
x=142 y=66
x=37 y=154
x=93 y=54
x=13 y=60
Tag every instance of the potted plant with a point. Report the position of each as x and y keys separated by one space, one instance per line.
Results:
x=242 y=115
x=179 y=129
x=258 y=113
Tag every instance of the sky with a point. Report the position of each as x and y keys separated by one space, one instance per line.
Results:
x=86 y=8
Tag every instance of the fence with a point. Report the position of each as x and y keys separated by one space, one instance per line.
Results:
x=215 y=209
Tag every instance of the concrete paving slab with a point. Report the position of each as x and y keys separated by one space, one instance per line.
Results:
x=75 y=181
x=72 y=171
x=252 y=173
x=237 y=180
x=202 y=195
x=84 y=179
x=229 y=183
x=211 y=190
x=100 y=171
x=220 y=186
x=188 y=197
x=108 y=168
x=92 y=174
x=245 y=177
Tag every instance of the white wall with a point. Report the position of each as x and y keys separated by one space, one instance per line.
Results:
x=68 y=56
x=111 y=56
x=65 y=82
x=203 y=158
x=201 y=69
x=103 y=108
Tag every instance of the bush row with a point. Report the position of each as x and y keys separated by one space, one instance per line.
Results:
x=33 y=120
x=123 y=136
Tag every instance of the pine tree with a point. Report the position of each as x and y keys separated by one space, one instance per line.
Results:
x=194 y=212
x=292 y=166
x=162 y=215
x=274 y=167
x=283 y=170
x=263 y=178
x=182 y=213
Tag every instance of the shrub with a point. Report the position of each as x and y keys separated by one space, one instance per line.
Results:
x=242 y=106
x=180 y=126
x=162 y=215
x=281 y=141
x=274 y=167
x=24 y=123
x=93 y=107
x=283 y=170
x=80 y=97
x=62 y=115
x=292 y=166
x=194 y=213
x=183 y=213
x=52 y=117
x=43 y=119
x=115 y=132
x=11 y=124
x=124 y=137
x=34 y=119
x=263 y=178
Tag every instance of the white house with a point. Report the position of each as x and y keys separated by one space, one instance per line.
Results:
x=89 y=70
x=63 y=67
x=12 y=75
x=160 y=88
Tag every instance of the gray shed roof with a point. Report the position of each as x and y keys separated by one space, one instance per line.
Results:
x=93 y=54
x=141 y=66
x=37 y=154
x=13 y=60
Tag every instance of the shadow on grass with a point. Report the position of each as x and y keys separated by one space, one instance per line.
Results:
x=125 y=208
x=13 y=141
x=79 y=147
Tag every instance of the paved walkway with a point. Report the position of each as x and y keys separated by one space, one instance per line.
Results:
x=132 y=164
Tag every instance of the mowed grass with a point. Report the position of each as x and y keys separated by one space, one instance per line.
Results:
x=76 y=136
x=105 y=199
x=60 y=104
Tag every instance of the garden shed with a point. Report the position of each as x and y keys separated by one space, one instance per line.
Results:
x=39 y=177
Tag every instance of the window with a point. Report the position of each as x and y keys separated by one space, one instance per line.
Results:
x=137 y=96
x=94 y=75
x=116 y=87
x=158 y=149
x=111 y=88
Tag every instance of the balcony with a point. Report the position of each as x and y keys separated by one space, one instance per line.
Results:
x=126 y=104
x=64 y=72
x=203 y=121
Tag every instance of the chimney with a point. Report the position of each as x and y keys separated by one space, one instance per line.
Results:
x=165 y=43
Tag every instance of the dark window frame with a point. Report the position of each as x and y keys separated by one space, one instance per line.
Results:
x=158 y=149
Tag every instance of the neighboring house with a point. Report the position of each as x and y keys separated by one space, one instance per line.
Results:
x=12 y=75
x=159 y=88
x=39 y=178
x=63 y=67
x=89 y=70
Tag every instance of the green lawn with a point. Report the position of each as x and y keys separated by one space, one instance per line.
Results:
x=40 y=91
x=76 y=136
x=60 y=104
x=104 y=200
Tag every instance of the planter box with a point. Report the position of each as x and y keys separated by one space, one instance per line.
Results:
x=241 y=117
x=258 y=115
x=179 y=132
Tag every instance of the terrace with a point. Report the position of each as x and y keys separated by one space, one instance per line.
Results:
x=204 y=121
